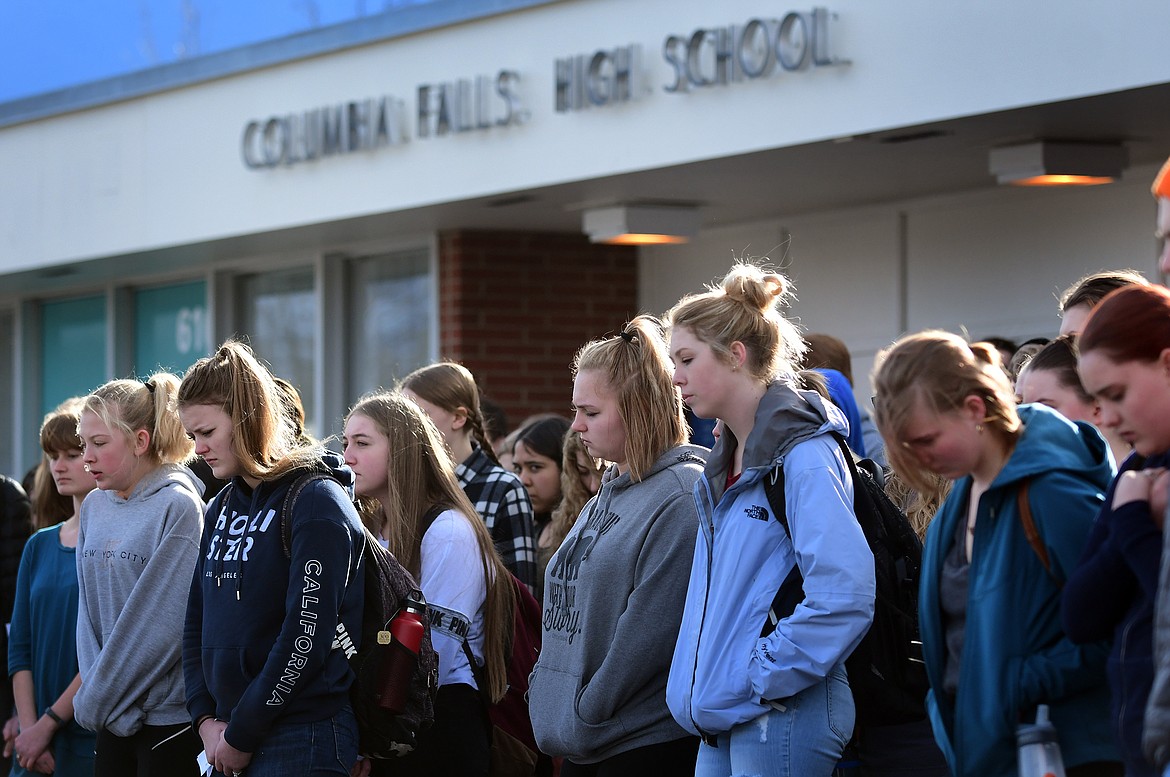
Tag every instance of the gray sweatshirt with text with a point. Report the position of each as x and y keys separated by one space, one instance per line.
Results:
x=135 y=558
x=613 y=601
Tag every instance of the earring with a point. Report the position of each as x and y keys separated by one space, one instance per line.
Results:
x=979 y=428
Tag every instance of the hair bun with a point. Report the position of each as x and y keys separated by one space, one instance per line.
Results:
x=752 y=286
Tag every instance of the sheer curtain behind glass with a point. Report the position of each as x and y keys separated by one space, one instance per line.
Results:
x=278 y=317
x=390 y=314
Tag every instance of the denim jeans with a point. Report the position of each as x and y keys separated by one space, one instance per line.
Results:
x=327 y=747
x=805 y=739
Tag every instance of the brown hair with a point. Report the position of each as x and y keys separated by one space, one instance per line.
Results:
x=938 y=370
x=132 y=405
x=452 y=387
x=826 y=351
x=1060 y=358
x=1093 y=288
x=263 y=438
x=743 y=308
x=636 y=369
x=58 y=435
x=574 y=492
x=1130 y=324
x=421 y=476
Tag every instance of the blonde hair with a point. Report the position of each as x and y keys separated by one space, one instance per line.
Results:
x=937 y=371
x=264 y=440
x=133 y=405
x=452 y=387
x=744 y=307
x=574 y=492
x=421 y=476
x=636 y=368
x=920 y=506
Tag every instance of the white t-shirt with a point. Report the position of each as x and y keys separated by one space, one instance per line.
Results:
x=453 y=582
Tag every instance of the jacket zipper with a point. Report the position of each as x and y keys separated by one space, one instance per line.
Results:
x=709 y=515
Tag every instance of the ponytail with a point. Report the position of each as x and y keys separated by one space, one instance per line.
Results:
x=635 y=368
x=133 y=405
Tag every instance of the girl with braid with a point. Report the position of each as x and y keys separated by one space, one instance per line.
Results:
x=447 y=392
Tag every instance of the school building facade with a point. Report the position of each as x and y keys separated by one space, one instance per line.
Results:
x=449 y=181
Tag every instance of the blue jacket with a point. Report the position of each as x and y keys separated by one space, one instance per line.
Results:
x=841 y=393
x=1015 y=653
x=1110 y=595
x=259 y=647
x=723 y=671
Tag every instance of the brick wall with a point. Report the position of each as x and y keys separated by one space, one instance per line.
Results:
x=515 y=307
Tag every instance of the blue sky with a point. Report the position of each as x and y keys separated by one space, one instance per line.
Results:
x=47 y=45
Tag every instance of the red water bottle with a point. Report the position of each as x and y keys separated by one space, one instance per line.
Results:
x=403 y=640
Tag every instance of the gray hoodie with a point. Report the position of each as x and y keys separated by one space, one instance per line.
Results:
x=135 y=558
x=613 y=600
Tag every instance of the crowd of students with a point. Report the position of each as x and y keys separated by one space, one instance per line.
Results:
x=151 y=622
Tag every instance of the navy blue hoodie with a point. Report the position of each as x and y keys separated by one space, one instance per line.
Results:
x=258 y=645
x=1111 y=595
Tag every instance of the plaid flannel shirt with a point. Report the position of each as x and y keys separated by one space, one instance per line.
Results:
x=502 y=500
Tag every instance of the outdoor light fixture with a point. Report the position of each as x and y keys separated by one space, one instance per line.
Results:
x=1056 y=163
x=641 y=224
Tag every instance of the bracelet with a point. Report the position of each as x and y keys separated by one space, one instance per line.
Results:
x=57 y=718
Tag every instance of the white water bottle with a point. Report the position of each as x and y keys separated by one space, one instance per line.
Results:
x=1039 y=747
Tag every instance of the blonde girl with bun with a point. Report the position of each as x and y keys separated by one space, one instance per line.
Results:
x=768 y=699
x=137 y=540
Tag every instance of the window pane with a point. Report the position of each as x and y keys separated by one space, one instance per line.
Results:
x=390 y=311
x=278 y=318
x=170 y=327
x=74 y=348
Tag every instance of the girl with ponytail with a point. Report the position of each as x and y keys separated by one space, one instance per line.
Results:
x=277 y=585
x=448 y=393
x=768 y=697
x=1027 y=485
x=614 y=590
x=137 y=540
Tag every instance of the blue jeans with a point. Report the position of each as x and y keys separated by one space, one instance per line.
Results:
x=805 y=739
x=327 y=747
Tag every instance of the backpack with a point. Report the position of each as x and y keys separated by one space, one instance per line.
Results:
x=886 y=671
x=387 y=585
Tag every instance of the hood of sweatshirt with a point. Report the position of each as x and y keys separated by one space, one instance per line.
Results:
x=263 y=506
x=164 y=476
x=785 y=416
x=1047 y=446
x=693 y=453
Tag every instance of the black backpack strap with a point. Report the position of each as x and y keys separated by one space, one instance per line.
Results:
x=290 y=498
x=791 y=591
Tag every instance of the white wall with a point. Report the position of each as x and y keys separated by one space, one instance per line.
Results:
x=165 y=170
x=990 y=263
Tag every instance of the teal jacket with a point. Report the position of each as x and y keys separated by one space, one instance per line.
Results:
x=1015 y=653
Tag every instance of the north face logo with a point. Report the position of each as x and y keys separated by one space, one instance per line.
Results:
x=757 y=512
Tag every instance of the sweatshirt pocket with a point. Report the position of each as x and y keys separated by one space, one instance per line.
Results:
x=552 y=704
x=167 y=692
